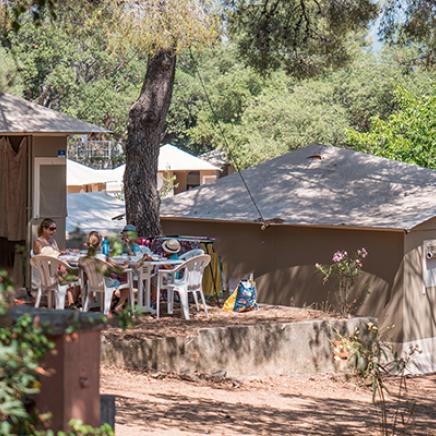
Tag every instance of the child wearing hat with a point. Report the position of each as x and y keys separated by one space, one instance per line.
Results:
x=171 y=248
x=128 y=236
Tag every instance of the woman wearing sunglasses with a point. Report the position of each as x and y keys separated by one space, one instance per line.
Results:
x=46 y=244
x=46 y=233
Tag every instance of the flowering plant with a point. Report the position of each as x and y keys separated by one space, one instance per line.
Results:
x=345 y=268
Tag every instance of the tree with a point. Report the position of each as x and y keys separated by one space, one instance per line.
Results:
x=407 y=135
x=265 y=117
x=9 y=80
x=165 y=28
x=83 y=76
x=411 y=22
x=161 y=29
x=303 y=36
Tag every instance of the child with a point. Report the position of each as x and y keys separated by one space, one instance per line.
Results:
x=171 y=248
x=114 y=275
x=128 y=236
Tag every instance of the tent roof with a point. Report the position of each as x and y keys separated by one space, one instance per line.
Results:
x=21 y=116
x=317 y=186
x=173 y=159
x=170 y=159
x=94 y=211
x=79 y=175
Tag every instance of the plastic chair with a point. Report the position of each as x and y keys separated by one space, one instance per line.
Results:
x=48 y=271
x=93 y=270
x=145 y=273
x=191 y=253
x=184 y=279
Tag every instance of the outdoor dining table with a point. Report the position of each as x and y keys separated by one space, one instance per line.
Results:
x=145 y=303
x=133 y=271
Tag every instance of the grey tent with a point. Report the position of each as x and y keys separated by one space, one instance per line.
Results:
x=33 y=147
x=314 y=201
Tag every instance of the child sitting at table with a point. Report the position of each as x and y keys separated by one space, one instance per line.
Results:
x=114 y=275
x=128 y=236
x=170 y=248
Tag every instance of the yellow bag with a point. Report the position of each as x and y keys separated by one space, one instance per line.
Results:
x=230 y=302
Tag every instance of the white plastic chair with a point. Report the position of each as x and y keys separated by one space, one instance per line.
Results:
x=145 y=273
x=191 y=253
x=48 y=271
x=184 y=279
x=36 y=278
x=93 y=270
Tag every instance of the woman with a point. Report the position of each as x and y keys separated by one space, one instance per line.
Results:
x=114 y=275
x=46 y=233
x=46 y=245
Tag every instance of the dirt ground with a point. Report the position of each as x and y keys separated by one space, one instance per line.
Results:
x=174 y=325
x=153 y=404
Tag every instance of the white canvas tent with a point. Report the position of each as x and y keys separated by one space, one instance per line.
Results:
x=170 y=159
x=89 y=211
x=79 y=175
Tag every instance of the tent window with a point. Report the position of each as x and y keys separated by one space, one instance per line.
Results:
x=193 y=179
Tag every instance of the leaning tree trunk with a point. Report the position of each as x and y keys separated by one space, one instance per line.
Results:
x=145 y=132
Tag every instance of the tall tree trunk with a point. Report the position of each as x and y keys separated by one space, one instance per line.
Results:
x=145 y=132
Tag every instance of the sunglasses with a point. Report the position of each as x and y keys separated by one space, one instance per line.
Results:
x=52 y=228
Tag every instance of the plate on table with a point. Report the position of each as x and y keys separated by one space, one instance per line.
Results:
x=120 y=259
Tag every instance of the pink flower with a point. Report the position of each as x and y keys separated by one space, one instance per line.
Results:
x=338 y=256
x=362 y=253
x=359 y=263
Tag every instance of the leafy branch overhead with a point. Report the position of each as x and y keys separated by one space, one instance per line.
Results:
x=302 y=36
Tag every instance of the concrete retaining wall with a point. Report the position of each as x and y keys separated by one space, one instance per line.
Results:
x=254 y=350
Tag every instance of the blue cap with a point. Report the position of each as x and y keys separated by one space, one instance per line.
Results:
x=129 y=228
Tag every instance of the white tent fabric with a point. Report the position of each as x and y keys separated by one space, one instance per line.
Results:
x=78 y=174
x=173 y=159
x=94 y=211
x=170 y=159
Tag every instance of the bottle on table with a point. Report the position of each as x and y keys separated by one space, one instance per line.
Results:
x=105 y=247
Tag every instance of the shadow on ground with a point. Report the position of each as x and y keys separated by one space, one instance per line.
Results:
x=310 y=417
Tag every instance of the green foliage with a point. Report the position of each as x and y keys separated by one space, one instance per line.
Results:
x=373 y=361
x=407 y=135
x=80 y=429
x=6 y=291
x=265 y=117
x=304 y=37
x=22 y=348
x=344 y=269
x=9 y=79
x=408 y=23
x=80 y=76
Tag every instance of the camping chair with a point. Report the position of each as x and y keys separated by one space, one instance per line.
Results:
x=191 y=253
x=184 y=279
x=93 y=271
x=49 y=279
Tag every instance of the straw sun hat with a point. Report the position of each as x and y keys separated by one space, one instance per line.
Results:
x=171 y=246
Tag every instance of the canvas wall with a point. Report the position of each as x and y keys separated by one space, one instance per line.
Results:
x=283 y=258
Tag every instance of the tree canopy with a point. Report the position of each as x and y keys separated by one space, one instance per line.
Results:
x=408 y=134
